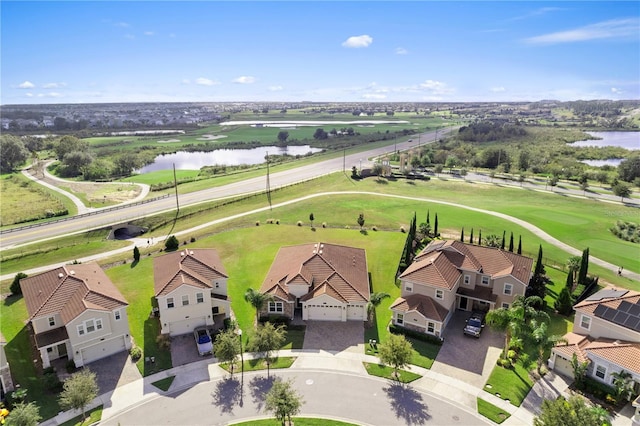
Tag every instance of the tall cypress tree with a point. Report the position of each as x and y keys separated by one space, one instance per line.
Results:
x=471 y=237
x=584 y=267
x=569 y=282
x=462 y=235
x=520 y=244
x=511 y=243
x=539 y=266
x=480 y=237
x=504 y=237
x=537 y=284
x=428 y=222
x=435 y=227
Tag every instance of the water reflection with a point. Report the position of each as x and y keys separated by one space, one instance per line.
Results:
x=627 y=140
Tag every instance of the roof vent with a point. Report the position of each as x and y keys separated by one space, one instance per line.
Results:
x=191 y=252
x=60 y=275
x=314 y=252
x=320 y=252
x=321 y=246
x=72 y=272
x=181 y=253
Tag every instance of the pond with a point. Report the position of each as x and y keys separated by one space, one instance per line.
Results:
x=627 y=140
x=227 y=157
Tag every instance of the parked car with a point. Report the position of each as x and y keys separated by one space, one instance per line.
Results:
x=203 y=341
x=475 y=324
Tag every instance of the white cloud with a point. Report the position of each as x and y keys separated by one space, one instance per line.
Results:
x=498 y=89
x=26 y=85
x=54 y=85
x=149 y=33
x=275 y=88
x=186 y=81
x=538 y=12
x=29 y=95
x=374 y=96
x=206 y=82
x=358 y=41
x=615 y=28
x=436 y=87
x=401 y=51
x=616 y=90
x=244 y=79
x=50 y=95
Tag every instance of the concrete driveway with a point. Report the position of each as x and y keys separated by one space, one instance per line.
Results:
x=467 y=358
x=334 y=336
x=114 y=371
x=184 y=350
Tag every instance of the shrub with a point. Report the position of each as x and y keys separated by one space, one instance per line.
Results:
x=275 y=320
x=257 y=223
x=402 y=229
x=277 y=221
x=374 y=228
x=136 y=353
x=415 y=334
x=15 y=284
x=505 y=363
x=324 y=224
x=299 y=223
x=71 y=366
x=193 y=239
x=51 y=382
x=172 y=243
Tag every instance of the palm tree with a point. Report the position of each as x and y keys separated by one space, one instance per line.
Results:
x=374 y=301
x=257 y=300
x=543 y=341
x=504 y=321
x=573 y=264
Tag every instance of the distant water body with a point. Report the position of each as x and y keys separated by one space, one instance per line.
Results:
x=627 y=140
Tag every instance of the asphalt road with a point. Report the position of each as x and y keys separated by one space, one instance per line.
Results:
x=106 y=218
x=358 y=399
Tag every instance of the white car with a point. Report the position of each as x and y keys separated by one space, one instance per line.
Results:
x=203 y=341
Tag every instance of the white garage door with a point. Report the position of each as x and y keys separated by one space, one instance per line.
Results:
x=102 y=349
x=324 y=312
x=185 y=326
x=355 y=313
x=563 y=366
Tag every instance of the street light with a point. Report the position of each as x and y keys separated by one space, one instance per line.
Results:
x=239 y=333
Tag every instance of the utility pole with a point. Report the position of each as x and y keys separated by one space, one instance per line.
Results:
x=268 y=183
x=175 y=185
x=344 y=160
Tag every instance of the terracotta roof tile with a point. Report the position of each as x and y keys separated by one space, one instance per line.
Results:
x=343 y=269
x=69 y=291
x=623 y=354
x=424 y=305
x=575 y=344
x=195 y=267
x=434 y=269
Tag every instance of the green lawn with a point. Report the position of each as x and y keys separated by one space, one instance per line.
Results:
x=294 y=338
x=512 y=384
x=380 y=370
x=490 y=411
x=93 y=416
x=164 y=384
x=260 y=364
x=424 y=353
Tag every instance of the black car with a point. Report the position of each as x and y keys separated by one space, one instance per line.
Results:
x=475 y=324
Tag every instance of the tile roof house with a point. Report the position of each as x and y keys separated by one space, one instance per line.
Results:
x=75 y=311
x=190 y=290
x=450 y=275
x=326 y=282
x=606 y=334
x=6 y=382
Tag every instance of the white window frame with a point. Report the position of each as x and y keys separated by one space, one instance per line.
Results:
x=467 y=279
x=199 y=297
x=81 y=331
x=117 y=315
x=276 y=307
x=506 y=305
x=439 y=294
x=185 y=300
x=485 y=280
x=431 y=327
x=170 y=303
x=598 y=369
x=400 y=319
x=508 y=292
x=408 y=287
x=98 y=324
x=585 y=319
x=52 y=321
x=90 y=326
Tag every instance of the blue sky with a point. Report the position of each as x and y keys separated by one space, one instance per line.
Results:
x=205 y=51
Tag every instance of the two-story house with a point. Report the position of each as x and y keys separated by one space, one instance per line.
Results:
x=76 y=312
x=450 y=275
x=606 y=335
x=6 y=382
x=325 y=282
x=190 y=290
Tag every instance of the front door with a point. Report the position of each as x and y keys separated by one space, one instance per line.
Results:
x=463 y=303
x=62 y=350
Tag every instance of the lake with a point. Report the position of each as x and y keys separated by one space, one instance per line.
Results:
x=628 y=140
x=227 y=157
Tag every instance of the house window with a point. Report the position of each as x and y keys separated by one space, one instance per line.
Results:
x=98 y=324
x=506 y=305
x=217 y=285
x=399 y=319
x=276 y=307
x=170 y=303
x=439 y=294
x=585 y=322
x=116 y=314
x=408 y=287
x=215 y=310
x=90 y=325
x=467 y=279
x=185 y=300
x=81 y=330
x=601 y=372
x=508 y=288
x=431 y=327
x=52 y=321
x=485 y=280
x=199 y=297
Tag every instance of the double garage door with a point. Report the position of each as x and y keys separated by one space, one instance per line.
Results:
x=102 y=349
x=563 y=366
x=177 y=328
x=324 y=312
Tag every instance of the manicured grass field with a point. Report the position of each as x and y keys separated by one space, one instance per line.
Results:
x=260 y=364
x=380 y=370
x=512 y=384
x=490 y=411
x=164 y=384
x=93 y=416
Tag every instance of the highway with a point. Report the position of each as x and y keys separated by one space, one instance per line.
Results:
x=111 y=217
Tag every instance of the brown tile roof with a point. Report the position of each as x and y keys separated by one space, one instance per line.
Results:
x=194 y=267
x=70 y=290
x=487 y=260
x=621 y=353
x=52 y=336
x=575 y=344
x=480 y=293
x=332 y=269
x=435 y=269
x=424 y=305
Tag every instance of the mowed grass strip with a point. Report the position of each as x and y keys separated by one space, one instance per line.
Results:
x=492 y=412
x=383 y=371
x=511 y=384
x=298 y=421
x=93 y=417
x=164 y=384
x=260 y=364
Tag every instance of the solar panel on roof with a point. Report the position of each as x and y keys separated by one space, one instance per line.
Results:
x=624 y=306
x=620 y=317
x=607 y=294
x=633 y=323
x=609 y=314
x=634 y=310
x=600 y=309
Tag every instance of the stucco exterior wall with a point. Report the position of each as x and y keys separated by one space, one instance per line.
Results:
x=181 y=312
x=602 y=328
x=41 y=324
x=449 y=295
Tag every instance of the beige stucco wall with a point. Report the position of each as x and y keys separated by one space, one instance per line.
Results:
x=219 y=286
x=180 y=312
x=602 y=328
x=3 y=357
x=517 y=289
x=415 y=321
x=298 y=290
x=41 y=324
x=449 y=295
